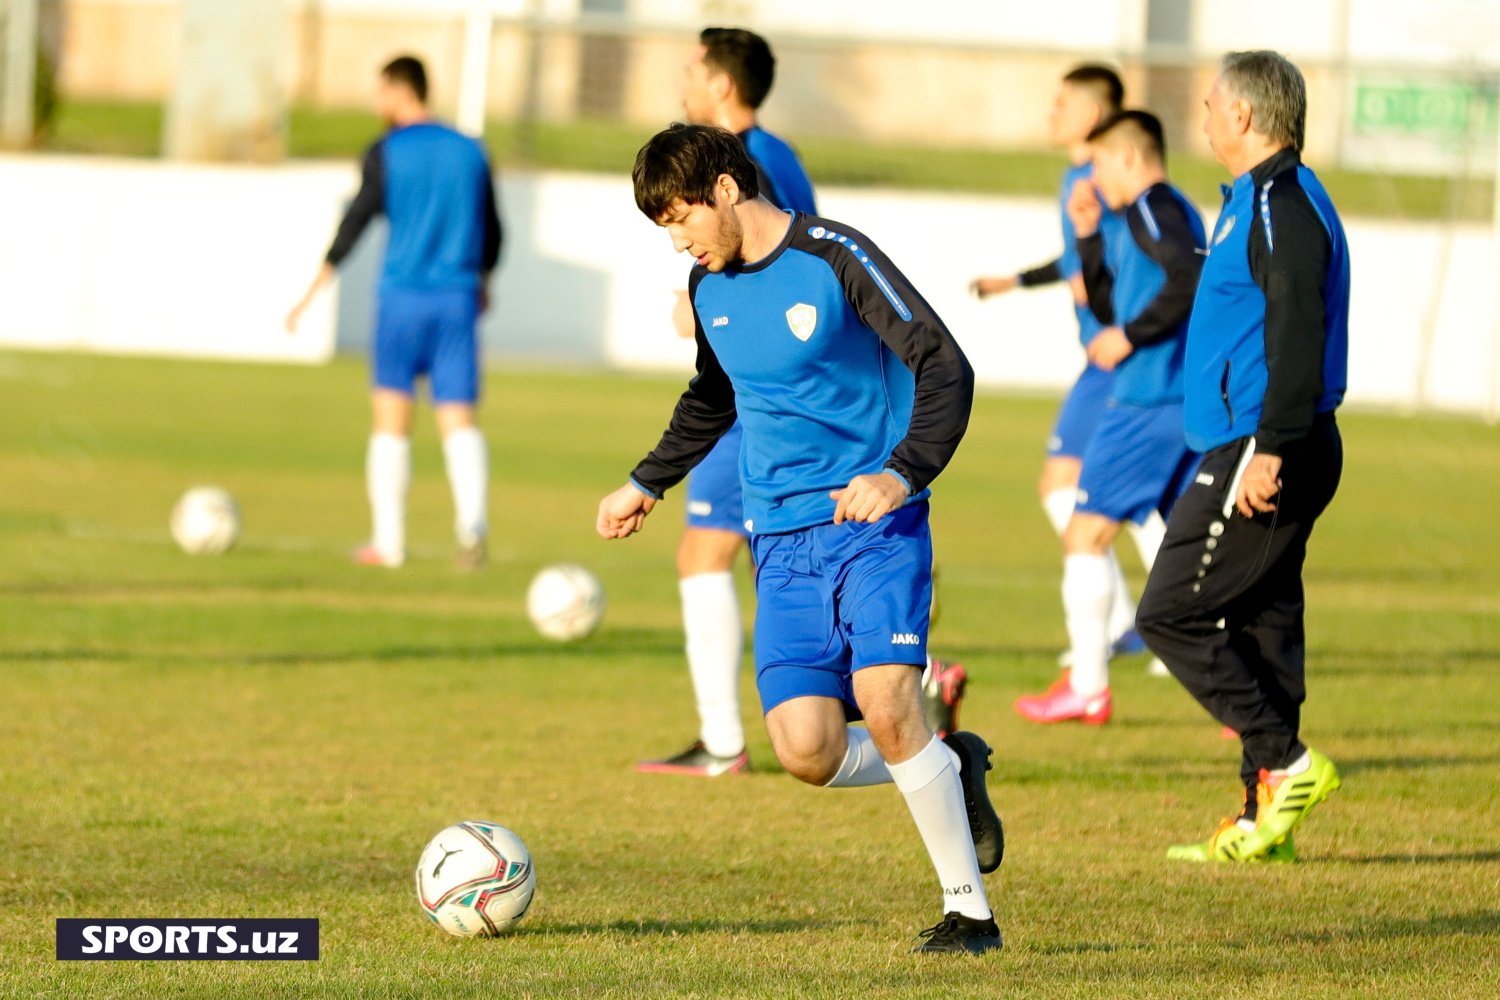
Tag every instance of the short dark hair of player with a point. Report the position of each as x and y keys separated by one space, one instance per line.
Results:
x=745 y=57
x=409 y=72
x=1140 y=129
x=1101 y=81
x=685 y=162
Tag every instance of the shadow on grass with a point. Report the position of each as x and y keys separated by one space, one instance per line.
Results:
x=1453 y=858
x=1086 y=947
x=1410 y=763
x=1477 y=924
x=679 y=928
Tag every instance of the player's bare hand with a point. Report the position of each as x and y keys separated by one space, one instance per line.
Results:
x=868 y=498
x=983 y=288
x=1260 y=483
x=1109 y=347
x=294 y=317
x=622 y=513
x=1084 y=209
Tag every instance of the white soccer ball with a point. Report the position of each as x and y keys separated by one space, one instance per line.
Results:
x=475 y=879
x=565 y=602
x=206 y=521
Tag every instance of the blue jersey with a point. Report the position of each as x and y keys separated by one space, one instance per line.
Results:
x=783 y=181
x=1142 y=278
x=1069 y=264
x=835 y=366
x=1268 y=345
x=435 y=188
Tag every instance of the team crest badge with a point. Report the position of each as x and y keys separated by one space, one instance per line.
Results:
x=802 y=318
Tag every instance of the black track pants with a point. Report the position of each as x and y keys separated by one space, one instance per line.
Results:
x=1223 y=606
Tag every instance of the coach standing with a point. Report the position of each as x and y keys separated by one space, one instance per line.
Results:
x=1265 y=368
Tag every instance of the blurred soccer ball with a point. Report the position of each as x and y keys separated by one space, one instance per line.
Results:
x=475 y=879
x=565 y=602
x=206 y=521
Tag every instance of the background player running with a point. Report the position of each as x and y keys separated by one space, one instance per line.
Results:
x=1140 y=280
x=435 y=188
x=1267 y=363
x=853 y=397
x=1086 y=97
x=726 y=80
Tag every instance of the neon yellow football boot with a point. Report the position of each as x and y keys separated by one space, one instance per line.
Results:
x=1229 y=844
x=1286 y=799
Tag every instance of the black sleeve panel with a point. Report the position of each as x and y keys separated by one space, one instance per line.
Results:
x=888 y=304
x=368 y=203
x=1049 y=273
x=1097 y=279
x=1290 y=264
x=494 y=232
x=703 y=415
x=1176 y=251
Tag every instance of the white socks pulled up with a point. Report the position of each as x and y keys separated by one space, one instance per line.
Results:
x=1088 y=593
x=467 y=460
x=387 y=479
x=1059 y=506
x=862 y=763
x=715 y=641
x=935 y=795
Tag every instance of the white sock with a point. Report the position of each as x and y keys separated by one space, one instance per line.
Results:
x=1148 y=538
x=862 y=763
x=935 y=795
x=1121 y=608
x=468 y=475
x=1299 y=765
x=387 y=478
x=715 y=640
x=1088 y=591
x=1059 y=507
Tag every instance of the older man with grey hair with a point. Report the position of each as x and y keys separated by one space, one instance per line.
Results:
x=1266 y=359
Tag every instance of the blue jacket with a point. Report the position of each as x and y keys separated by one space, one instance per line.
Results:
x=1069 y=264
x=783 y=181
x=835 y=366
x=1142 y=278
x=1268 y=345
x=434 y=187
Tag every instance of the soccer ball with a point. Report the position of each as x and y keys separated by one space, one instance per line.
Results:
x=475 y=879
x=565 y=602
x=206 y=521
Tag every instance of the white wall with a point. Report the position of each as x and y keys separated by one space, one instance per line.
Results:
x=165 y=259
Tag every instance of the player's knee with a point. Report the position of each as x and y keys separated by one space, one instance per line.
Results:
x=897 y=733
x=706 y=551
x=812 y=761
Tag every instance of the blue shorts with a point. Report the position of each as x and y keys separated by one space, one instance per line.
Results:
x=1080 y=413
x=835 y=598
x=715 y=498
x=1137 y=462
x=428 y=333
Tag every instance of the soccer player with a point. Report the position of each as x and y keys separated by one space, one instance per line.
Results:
x=435 y=188
x=1267 y=356
x=1140 y=281
x=1086 y=97
x=853 y=397
x=726 y=81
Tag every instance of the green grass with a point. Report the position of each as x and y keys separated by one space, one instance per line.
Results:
x=134 y=129
x=277 y=733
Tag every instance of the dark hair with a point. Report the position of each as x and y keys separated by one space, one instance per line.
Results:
x=685 y=161
x=408 y=71
x=1103 y=82
x=1144 y=130
x=745 y=57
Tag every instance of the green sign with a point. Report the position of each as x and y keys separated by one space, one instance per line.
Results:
x=1439 y=110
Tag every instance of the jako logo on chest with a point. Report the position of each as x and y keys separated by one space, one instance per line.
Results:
x=803 y=319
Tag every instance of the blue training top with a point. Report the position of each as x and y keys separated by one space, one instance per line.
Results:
x=1142 y=278
x=834 y=364
x=784 y=182
x=434 y=186
x=1268 y=344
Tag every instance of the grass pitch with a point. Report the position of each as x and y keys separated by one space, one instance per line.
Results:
x=277 y=732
